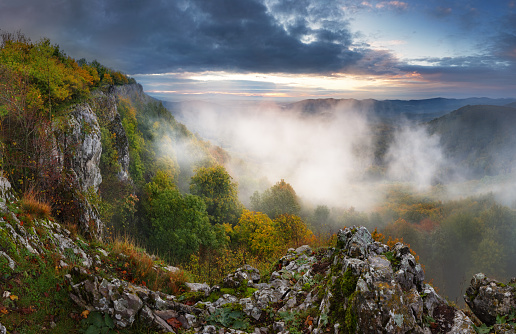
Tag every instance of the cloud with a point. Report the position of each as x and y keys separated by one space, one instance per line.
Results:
x=414 y=156
x=504 y=45
x=251 y=36
x=323 y=158
x=396 y=5
x=159 y=36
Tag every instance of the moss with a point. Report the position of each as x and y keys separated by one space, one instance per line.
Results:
x=192 y=296
x=343 y=292
x=351 y=318
x=392 y=259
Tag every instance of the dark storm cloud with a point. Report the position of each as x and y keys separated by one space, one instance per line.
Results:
x=157 y=36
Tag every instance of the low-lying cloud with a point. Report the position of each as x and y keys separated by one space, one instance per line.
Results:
x=327 y=157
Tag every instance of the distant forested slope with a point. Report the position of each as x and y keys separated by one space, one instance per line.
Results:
x=480 y=139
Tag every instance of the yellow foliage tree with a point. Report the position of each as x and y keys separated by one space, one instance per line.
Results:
x=293 y=231
x=256 y=232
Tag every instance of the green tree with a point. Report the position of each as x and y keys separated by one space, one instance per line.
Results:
x=179 y=224
x=214 y=186
x=277 y=200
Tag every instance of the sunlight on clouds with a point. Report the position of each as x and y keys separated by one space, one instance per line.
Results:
x=334 y=82
x=281 y=85
x=386 y=4
x=225 y=93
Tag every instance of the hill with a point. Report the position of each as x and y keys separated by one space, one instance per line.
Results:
x=55 y=281
x=480 y=139
x=393 y=110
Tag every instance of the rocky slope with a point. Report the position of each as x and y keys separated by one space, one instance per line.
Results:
x=360 y=286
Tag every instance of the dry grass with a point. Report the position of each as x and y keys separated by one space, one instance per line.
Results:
x=142 y=268
x=34 y=206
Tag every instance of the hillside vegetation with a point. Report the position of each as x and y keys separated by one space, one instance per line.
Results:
x=104 y=185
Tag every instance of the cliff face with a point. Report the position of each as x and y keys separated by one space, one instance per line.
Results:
x=105 y=106
x=78 y=148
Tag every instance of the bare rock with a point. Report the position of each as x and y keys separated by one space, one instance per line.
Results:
x=488 y=298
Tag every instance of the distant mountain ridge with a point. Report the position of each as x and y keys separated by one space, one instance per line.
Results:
x=385 y=110
x=423 y=110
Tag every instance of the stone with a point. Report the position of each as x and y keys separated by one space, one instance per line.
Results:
x=431 y=299
x=488 y=298
x=278 y=326
x=12 y=264
x=355 y=241
x=196 y=287
x=243 y=274
x=166 y=314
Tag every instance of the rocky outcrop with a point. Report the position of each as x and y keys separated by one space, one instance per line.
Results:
x=105 y=106
x=376 y=289
x=362 y=286
x=40 y=236
x=84 y=138
x=81 y=150
x=489 y=299
x=126 y=302
x=132 y=91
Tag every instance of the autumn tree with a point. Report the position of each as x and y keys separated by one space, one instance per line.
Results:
x=277 y=200
x=257 y=232
x=215 y=187
x=37 y=81
x=292 y=230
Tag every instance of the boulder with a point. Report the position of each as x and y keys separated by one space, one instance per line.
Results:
x=488 y=298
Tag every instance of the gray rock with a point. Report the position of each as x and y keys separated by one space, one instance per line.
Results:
x=488 y=298
x=278 y=326
x=355 y=241
x=463 y=324
x=12 y=264
x=431 y=299
x=85 y=132
x=225 y=299
x=210 y=329
x=245 y=274
x=6 y=193
x=304 y=249
x=196 y=287
x=126 y=302
x=166 y=314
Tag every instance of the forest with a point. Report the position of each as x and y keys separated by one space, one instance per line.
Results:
x=180 y=201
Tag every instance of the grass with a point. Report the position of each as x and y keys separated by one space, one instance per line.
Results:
x=132 y=263
x=32 y=206
x=36 y=295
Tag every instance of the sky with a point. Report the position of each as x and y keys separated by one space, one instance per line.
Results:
x=286 y=49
